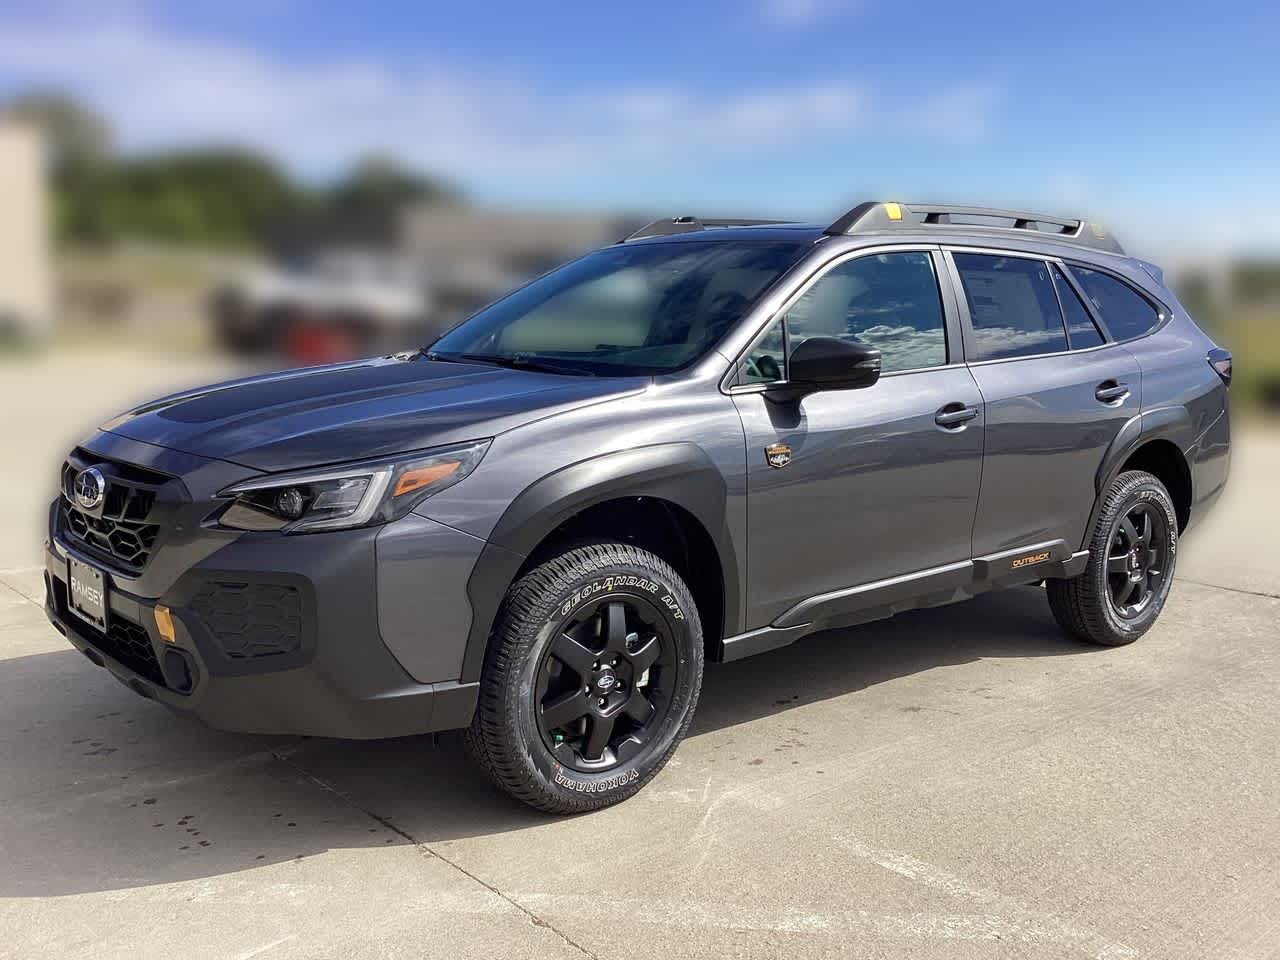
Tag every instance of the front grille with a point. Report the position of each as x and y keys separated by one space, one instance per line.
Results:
x=124 y=531
x=127 y=543
x=250 y=620
x=125 y=641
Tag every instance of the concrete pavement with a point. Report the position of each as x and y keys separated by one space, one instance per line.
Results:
x=961 y=782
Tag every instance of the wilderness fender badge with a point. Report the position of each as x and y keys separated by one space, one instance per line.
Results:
x=777 y=455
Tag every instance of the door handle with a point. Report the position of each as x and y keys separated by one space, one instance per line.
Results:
x=954 y=415
x=1111 y=390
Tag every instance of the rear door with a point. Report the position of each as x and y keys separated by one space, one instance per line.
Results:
x=1056 y=393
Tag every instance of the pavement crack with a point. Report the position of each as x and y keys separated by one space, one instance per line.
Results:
x=1218 y=586
x=536 y=920
x=425 y=847
x=18 y=593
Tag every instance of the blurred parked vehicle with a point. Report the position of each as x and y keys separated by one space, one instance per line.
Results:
x=314 y=304
x=323 y=307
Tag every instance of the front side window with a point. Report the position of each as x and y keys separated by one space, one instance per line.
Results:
x=625 y=310
x=1081 y=329
x=887 y=300
x=1126 y=313
x=1012 y=306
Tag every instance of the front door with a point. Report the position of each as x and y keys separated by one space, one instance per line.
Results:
x=854 y=486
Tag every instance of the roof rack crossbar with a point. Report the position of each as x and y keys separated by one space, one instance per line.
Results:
x=876 y=217
x=671 y=226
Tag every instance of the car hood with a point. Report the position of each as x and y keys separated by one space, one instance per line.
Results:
x=350 y=411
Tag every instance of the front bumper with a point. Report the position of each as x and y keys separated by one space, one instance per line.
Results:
x=277 y=635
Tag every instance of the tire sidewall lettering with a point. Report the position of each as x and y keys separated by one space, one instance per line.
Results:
x=562 y=778
x=1157 y=498
x=621 y=582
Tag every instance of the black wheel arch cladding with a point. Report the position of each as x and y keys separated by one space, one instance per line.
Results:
x=680 y=473
x=1168 y=425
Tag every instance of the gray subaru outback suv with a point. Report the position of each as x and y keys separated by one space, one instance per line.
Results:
x=701 y=443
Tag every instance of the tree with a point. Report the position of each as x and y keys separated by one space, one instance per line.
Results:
x=378 y=186
x=210 y=197
x=205 y=197
x=78 y=140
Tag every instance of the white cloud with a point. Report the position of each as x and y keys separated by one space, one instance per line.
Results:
x=162 y=89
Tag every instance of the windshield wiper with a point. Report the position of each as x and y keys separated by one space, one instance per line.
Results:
x=439 y=357
x=526 y=361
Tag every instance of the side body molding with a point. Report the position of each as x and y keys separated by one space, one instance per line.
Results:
x=679 y=473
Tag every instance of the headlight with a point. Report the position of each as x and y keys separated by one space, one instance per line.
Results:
x=351 y=495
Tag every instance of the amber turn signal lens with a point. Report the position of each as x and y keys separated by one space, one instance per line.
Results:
x=164 y=623
x=419 y=477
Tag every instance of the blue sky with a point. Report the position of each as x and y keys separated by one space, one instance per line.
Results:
x=1158 y=118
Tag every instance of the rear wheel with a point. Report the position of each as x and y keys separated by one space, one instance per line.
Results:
x=590 y=680
x=1130 y=569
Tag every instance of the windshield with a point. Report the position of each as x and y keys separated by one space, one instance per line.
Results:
x=625 y=310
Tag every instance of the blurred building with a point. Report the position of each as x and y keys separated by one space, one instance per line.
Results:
x=472 y=256
x=26 y=306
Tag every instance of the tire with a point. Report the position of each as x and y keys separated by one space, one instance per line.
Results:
x=555 y=649
x=1106 y=604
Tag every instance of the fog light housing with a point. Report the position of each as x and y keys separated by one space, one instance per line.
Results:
x=178 y=674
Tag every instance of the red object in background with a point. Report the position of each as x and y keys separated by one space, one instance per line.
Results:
x=309 y=343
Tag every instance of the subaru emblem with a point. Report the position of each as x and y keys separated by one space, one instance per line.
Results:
x=90 y=488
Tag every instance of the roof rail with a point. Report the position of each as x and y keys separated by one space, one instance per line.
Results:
x=926 y=217
x=670 y=226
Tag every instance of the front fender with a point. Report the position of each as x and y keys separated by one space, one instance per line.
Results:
x=680 y=473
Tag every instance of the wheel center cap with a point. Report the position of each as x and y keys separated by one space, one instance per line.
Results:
x=605 y=681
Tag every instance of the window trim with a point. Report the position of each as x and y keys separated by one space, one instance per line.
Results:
x=951 y=324
x=1164 y=313
x=1084 y=305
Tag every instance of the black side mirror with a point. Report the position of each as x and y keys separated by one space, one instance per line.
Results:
x=828 y=363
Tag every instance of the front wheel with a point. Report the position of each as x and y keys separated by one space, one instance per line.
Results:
x=1130 y=570
x=590 y=680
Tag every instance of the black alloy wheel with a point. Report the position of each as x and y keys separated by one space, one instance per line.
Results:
x=590 y=679
x=1137 y=559
x=605 y=682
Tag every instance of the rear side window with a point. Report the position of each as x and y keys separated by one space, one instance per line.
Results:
x=1012 y=306
x=1081 y=329
x=1126 y=312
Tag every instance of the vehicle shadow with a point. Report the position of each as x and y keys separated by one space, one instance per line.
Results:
x=104 y=791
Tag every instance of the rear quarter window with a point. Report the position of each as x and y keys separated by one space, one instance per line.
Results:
x=1126 y=313
x=1081 y=329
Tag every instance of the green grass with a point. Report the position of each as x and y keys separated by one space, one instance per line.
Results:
x=1253 y=337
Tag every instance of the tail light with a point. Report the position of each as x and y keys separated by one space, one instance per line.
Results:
x=1220 y=360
